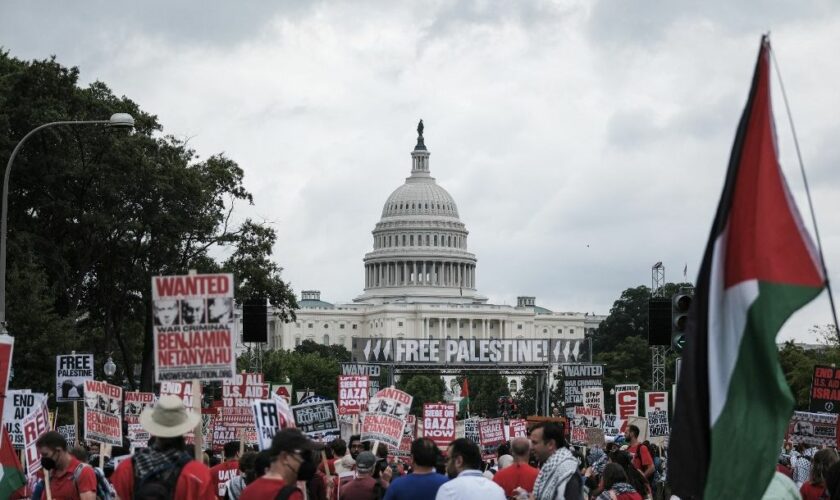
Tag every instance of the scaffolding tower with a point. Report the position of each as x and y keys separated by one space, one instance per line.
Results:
x=657 y=352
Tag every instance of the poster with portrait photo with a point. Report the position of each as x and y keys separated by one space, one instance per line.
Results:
x=71 y=372
x=194 y=327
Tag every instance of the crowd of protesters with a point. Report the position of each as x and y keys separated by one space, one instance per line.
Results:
x=540 y=467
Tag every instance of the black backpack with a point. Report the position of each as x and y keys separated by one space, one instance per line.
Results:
x=160 y=483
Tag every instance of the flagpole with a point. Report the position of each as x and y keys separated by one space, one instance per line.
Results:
x=807 y=191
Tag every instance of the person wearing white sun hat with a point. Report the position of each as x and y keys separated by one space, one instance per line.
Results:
x=164 y=469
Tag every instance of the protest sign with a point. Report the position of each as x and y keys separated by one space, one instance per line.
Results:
x=825 y=389
x=593 y=397
x=656 y=409
x=135 y=403
x=585 y=418
x=390 y=401
x=386 y=415
x=383 y=427
x=282 y=391
x=439 y=423
x=642 y=424
x=353 y=394
x=19 y=404
x=612 y=425
x=267 y=422
x=318 y=420
x=182 y=390
x=71 y=372
x=194 y=327
x=284 y=411
x=518 y=428
x=577 y=377
x=626 y=401
x=409 y=433
x=68 y=432
x=237 y=417
x=471 y=430
x=138 y=437
x=103 y=412
x=491 y=432
x=469 y=353
x=243 y=389
x=813 y=429
x=35 y=423
x=372 y=372
x=7 y=343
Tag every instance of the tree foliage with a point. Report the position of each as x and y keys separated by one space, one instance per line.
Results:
x=485 y=390
x=305 y=370
x=424 y=389
x=94 y=213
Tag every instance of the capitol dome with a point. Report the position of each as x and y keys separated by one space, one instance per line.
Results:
x=420 y=244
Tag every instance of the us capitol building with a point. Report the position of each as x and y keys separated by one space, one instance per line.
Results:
x=420 y=281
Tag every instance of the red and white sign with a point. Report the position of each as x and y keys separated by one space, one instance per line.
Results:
x=353 y=394
x=585 y=418
x=135 y=403
x=7 y=343
x=283 y=391
x=103 y=412
x=384 y=428
x=194 y=327
x=626 y=402
x=656 y=401
x=35 y=424
x=181 y=390
x=491 y=432
x=439 y=423
x=518 y=428
x=235 y=417
x=391 y=401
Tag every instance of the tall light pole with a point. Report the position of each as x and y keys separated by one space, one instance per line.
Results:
x=120 y=120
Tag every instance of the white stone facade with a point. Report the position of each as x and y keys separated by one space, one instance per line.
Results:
x=420 y=282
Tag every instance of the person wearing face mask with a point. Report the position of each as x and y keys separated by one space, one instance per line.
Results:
x=291 y=461
x=62 y=467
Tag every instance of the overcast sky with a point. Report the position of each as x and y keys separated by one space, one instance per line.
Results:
x=583 y=141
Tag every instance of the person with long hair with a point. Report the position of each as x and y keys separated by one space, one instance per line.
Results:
x=616 y=486
x=634 y=476
x=814 y=488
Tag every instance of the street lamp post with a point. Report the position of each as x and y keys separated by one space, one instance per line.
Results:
x=120 y=120
x=110 y=367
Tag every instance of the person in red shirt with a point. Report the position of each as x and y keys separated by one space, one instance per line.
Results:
x=227 y=470
x=291 y=461
x=62 y=465
x=165 y=464
x=640 y=454
x=815 y=488
x=520 y=474
x=364 y=486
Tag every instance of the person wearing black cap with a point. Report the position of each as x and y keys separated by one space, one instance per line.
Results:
x=291 y=461
x=364 y=486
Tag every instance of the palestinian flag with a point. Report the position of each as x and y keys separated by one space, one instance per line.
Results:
x=12 y=473
x=733 y=404
x=464 y=404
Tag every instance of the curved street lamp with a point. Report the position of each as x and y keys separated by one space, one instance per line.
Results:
x=117 y=120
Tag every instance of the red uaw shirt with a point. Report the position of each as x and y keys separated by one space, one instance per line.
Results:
x=222 y=473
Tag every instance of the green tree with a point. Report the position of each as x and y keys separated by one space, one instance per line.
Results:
x=485 y=390
x=333 y=351
x=423 y=388
x=304 y=370
x=95 y=213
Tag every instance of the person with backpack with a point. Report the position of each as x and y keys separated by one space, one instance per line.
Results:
x=70 y=479
x=291 y=461
x=164 y=470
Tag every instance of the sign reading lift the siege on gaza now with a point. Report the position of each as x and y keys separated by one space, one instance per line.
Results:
x=194 y=327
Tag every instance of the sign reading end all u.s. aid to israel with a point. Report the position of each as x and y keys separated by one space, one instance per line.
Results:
x=470 y=352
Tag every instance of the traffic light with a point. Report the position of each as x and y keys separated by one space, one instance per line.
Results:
x=659 y=321
x=680 y=304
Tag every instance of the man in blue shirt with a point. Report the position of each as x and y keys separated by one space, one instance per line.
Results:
x=424 y=482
